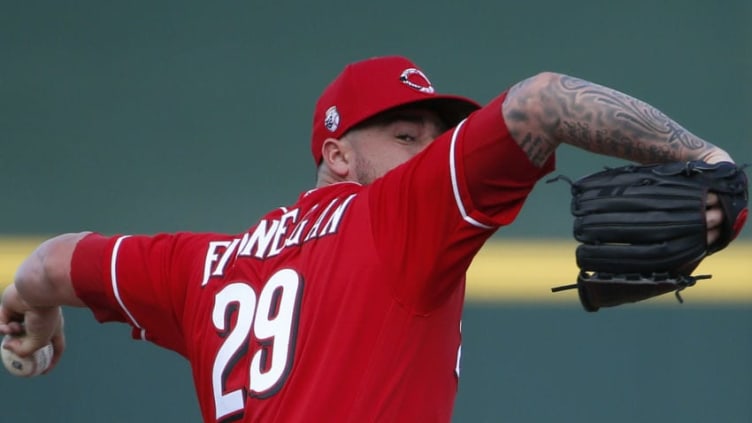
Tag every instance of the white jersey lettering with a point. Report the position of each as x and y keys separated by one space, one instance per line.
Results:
x=213 y=264
x=333 y=223
x=286 y=220
x=271 y=236
x=261 y=238
x=313 y=231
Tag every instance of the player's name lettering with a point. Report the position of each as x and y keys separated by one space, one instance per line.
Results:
x=271 y=237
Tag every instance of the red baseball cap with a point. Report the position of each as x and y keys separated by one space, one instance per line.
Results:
x=372 y=86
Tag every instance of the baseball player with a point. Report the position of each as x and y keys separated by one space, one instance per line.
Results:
x=345 y=306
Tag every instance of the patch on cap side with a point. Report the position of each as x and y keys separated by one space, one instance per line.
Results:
x=331 y=119
x=416 y=79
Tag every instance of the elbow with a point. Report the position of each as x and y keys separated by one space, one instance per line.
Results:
x=537 y=85
x=56 y=269
x=30 y=277
x=545 y=78
x=532 y=113
x=535 y=99
x=43 y=279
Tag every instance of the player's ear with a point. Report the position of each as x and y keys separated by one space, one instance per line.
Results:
x=336 y=154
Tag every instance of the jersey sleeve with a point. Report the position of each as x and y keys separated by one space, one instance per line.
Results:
x=140 y=280
x=493 y=176
x=431 y=215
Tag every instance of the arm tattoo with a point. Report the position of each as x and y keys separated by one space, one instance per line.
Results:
x=531 y=132
x=595 y=118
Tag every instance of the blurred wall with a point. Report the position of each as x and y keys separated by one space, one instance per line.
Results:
x=149 y=116
x=520 y=363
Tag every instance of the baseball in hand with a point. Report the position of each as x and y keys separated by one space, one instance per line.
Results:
x=32 y=365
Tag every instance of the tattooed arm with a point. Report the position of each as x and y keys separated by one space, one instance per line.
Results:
x=548 y=109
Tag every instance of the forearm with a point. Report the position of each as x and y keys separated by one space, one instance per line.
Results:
x=548 y=109
x=43 y=279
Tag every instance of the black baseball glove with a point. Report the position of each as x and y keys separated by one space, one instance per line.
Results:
x=642 y=229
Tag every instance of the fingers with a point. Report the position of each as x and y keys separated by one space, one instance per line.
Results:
x=11 y=312
x=28 y=329
x=40 y=327
x=713 y=219
x=7 y=327
x=58 y=345
x=23 y=345
x=713 y=236
x=12 y=328
x=711 y=200
x=14 y=344
x=58 y=348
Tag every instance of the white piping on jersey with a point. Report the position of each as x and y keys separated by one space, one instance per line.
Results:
x=113 y=276
x=332 y=184
x=455 y=185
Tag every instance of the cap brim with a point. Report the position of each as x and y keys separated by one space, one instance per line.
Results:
x=451 y=109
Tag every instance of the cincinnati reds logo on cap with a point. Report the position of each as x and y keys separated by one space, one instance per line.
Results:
x=416 y=79
x=331 y=119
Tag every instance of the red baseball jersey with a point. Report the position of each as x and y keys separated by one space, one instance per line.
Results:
x=344 y=307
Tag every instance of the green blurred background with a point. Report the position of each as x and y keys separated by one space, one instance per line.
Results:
x=147 y=116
